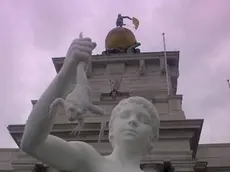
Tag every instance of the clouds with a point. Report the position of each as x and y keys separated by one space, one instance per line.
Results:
x=34 y=31
x=204 y=64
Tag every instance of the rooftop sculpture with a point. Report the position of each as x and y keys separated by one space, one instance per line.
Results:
x=121 y=39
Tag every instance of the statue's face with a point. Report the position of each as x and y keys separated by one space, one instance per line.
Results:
x=132 y=126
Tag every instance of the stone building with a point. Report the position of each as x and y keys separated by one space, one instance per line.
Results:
x=117 y=74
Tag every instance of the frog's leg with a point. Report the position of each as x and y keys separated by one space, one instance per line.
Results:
x=102 y=130
x=96 y=110
x=54 y=106
x=77 y=130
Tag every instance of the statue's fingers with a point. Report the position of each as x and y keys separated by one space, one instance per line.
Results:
x=81 y=48
x=78 y=41
x=86 y=39
x=84 y=42
x=83 y=39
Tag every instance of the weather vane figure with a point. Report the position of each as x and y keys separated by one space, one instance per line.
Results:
x=120 y=20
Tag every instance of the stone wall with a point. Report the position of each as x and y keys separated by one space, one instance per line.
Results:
x=147 y=81
x=217 y=155
x=6 y=156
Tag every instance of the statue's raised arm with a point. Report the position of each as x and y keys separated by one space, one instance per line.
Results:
x=36 y=139
x=79 y=101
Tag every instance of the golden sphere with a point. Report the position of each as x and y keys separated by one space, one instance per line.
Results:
x=120 y=38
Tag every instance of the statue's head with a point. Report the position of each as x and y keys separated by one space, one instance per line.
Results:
x=119 y=15
x=134 y=122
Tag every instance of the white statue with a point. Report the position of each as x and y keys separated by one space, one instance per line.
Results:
x=133 y=127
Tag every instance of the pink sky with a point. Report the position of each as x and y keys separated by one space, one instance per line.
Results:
x=33 y=31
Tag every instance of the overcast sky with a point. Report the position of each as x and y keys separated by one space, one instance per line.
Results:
x=33 y=31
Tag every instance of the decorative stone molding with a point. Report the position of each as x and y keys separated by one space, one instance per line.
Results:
x=200 y=166
x=142 y=66
x=115 y=68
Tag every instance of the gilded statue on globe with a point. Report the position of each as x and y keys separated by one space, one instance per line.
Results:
x=121 y=39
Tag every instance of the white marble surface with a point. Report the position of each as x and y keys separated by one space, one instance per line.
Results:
x=134 y=125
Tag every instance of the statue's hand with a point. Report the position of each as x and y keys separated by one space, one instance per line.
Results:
x=80 y=50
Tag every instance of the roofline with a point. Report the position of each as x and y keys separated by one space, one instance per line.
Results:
x=193 y=125
x=172 y=59
x=8 y=149
x=170 y=97
x=214 y=145
x=58 y=61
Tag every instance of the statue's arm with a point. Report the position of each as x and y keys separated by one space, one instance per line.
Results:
x=36 y=140
x=62 y=155
x=40 y=122
x=127 y=17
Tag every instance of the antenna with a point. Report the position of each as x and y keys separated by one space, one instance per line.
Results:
x=166 y=63
x=228 y=83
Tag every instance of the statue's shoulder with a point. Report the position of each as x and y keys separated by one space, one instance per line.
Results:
x=88 y=149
